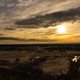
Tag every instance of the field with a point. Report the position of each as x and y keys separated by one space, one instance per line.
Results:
x=37 y=62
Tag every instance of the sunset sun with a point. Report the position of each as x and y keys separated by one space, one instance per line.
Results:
x=61 y=28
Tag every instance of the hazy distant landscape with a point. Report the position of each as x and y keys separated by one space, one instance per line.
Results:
x=32 y=62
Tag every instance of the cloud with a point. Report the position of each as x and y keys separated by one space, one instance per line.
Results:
x=51 y=32
x=50 y=19
x=11 y=38
x=42 y=40
x=61 y=34
x=7 y=4
x=25 y=9
x=1 y=34
x=28 y=40
x=75 y=37
x=9 y=29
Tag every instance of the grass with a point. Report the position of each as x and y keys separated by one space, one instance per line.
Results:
x=28 y=71
x=19 y=55
x=24 y=72
x=73 y=72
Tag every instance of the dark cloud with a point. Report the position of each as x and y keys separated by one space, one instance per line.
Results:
x=50 y=19
x=1 y=34
x=79 y=21
x=45 y=37
x=51 y=32
x=28 y=26
x=34 y=40
x=11 y=38
x=42 y=40
x=9 y=29
x=75 y=37
x=61 y=34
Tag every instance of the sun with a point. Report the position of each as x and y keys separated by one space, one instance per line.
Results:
x=61 y=28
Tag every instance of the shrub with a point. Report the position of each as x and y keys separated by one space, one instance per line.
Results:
x=72 y=72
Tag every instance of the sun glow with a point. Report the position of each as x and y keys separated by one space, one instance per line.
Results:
x=61 y=28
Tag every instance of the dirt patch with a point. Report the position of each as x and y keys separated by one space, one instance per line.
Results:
x=55 y=65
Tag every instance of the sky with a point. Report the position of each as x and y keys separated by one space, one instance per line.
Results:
x=39 y=21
